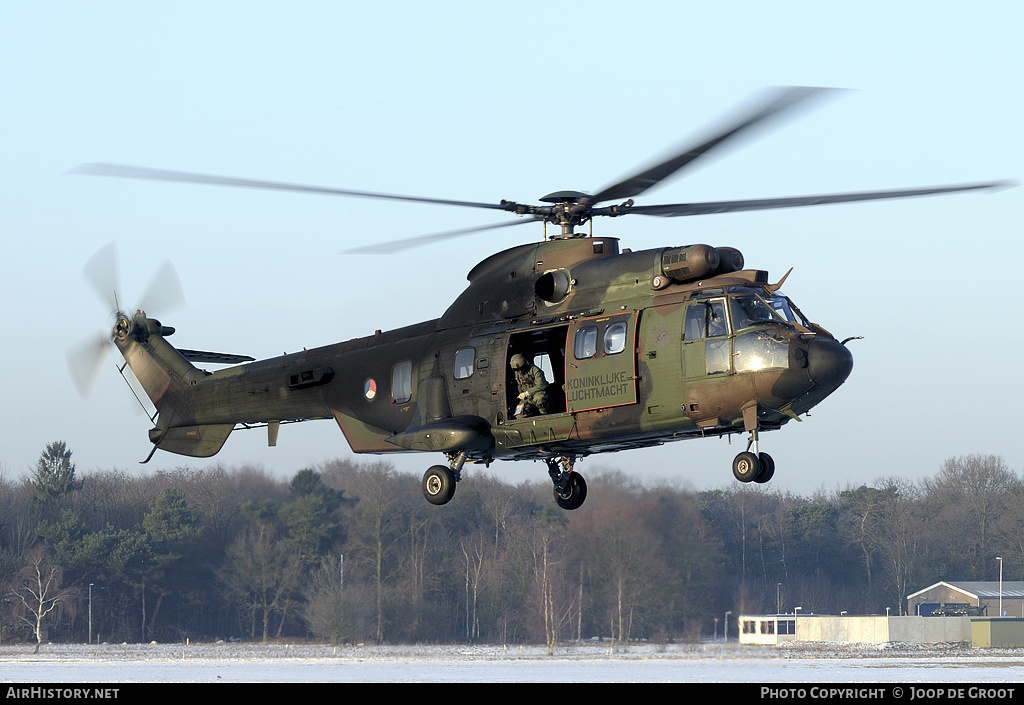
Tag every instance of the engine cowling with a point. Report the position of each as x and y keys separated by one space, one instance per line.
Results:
x=683 y=264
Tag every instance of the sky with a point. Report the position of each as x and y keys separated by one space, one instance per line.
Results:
x=482 y=102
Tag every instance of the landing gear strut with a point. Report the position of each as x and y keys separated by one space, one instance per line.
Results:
x=439 y=482
x=570 y=489
x=753 y=466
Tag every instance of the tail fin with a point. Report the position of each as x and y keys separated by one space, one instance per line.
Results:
x=167 y=378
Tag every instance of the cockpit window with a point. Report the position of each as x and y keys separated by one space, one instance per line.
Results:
x=754 y=309
x=784 y=308
x=706 y=319
x=761 y=350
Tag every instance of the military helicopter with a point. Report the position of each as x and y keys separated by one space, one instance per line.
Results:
x=624 y=349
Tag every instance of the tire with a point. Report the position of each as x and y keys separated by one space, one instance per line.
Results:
x=438 y=485
x=745 y=466
x=575 y=493
x=767 y=468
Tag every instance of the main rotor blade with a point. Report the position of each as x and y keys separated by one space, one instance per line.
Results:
x=135 y=172
x=638 y=183
x=683 y=209
x=409 y=243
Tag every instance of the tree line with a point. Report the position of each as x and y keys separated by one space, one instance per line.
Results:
x=350 y=552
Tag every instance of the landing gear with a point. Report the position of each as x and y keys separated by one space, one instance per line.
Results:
x=439 y=482
x=745 y=466
x=438 y=485
x=751 y=466
x=570 y=489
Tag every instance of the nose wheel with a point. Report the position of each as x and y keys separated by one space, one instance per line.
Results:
x=751 y=466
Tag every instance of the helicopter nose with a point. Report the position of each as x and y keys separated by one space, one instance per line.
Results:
x=816 y=369
x=829 y=363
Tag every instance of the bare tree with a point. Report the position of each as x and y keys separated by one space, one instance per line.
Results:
x=264 y=573
x=337 y=605
x=896 y=534
x=969 y=495
x=378 y=533
x=473 y=555
x=40 y=594
x=555 y=598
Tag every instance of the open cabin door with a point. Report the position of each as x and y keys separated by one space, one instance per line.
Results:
x=600 y=362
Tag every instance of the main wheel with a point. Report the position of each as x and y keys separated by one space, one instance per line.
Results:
x=767 y=470
x=438 y=485
x=745 y=466
x=575 y=493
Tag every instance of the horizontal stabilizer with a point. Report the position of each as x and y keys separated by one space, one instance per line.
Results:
x=214 y=357
x=196 y=441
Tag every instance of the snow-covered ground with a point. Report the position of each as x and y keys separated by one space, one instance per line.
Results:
x=708 y=663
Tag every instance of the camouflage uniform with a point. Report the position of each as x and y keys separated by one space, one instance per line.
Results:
x=531 y=383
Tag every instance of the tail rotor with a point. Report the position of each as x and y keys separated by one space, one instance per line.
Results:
x=86 y=360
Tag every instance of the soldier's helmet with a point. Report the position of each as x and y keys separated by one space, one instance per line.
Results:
x=518 y=362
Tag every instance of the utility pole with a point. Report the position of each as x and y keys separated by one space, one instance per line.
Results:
x=1000 y=585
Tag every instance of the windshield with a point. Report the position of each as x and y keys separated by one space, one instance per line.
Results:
x=761 y=350
x=750 y=309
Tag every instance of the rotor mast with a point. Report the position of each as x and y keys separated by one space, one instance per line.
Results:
x=568 y=210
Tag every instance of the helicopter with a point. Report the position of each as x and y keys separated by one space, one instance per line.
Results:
x=614 y=349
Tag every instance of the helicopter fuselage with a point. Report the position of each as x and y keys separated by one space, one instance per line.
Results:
x=621 y=349
x=637 y=349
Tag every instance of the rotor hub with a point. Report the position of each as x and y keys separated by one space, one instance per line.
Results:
x=563 y=197
x=123 y=327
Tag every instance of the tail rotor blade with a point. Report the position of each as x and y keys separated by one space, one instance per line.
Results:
x=164 y=292
x=85 y=363
x=101 y=272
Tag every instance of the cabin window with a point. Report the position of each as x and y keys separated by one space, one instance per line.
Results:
x=615 y=338
x=464 y=362
x=585 y=345
x=401 y=382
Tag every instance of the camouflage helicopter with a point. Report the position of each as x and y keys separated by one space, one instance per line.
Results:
x=621 y=349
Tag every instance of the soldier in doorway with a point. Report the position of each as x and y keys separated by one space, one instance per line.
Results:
x=532 y=386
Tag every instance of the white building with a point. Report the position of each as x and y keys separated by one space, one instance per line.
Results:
x=776 y=628
x=767 y=629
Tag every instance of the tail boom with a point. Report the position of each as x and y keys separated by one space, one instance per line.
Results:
x=197 y=410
